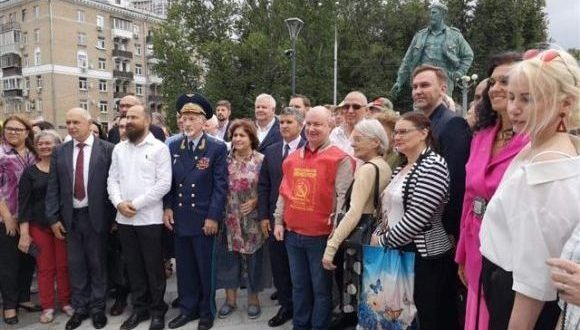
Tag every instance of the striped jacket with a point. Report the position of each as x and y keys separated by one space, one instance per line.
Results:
x=425 y=194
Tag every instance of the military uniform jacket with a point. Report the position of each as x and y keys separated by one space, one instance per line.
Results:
x=456 y=52
x=199 y=185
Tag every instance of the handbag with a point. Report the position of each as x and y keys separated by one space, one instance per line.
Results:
x=386 y=298
x=363 y=231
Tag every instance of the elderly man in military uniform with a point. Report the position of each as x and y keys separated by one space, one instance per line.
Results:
x=438 y=45
x=194 y=207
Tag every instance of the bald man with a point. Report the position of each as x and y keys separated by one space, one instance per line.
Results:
x=124 y=104
x=78 y=208
x=354 y=109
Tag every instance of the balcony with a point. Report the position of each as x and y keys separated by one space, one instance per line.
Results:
x=13 y=71
x=149 y=39
x=119 y=95
x=122 y=53
x=13 y=48
x=155 y=98
x=9 y=27
x=123 y=34
x=13 y=93
x=122 y=75
x=153 y=60
x=10 y=61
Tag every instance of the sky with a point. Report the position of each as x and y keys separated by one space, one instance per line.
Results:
x=564 y=22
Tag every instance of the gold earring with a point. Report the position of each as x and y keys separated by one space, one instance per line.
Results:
x=562 y=125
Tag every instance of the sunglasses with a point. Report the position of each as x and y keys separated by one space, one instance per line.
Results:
x=354 y=106
x=548 y=56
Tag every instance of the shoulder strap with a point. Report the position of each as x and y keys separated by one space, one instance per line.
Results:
x=376 y=199
x=549 y=152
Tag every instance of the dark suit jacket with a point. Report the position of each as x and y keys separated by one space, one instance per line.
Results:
x=453 y=137
x=227 y=134
x=199 y=186
x=59 y=193
x=270 y=179
x=273 y=136
x=114 y=137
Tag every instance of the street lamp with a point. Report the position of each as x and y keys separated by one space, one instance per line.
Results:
x=465 y=83
x=294 y=25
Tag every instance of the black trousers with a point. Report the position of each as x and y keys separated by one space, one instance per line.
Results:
x=87 y=264
x=434 y=297
x=499 y=297
x=142 y=248
x=117 y=272
x=281 y=271
x=16 y=271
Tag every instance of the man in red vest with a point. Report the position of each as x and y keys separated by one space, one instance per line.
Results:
x=315 y=180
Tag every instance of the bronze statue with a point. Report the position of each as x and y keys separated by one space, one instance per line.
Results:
x=439 y=45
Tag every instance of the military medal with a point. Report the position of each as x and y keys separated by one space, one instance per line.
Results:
x=203 y=163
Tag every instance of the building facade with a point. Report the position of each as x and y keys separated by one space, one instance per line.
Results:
x=59 y=54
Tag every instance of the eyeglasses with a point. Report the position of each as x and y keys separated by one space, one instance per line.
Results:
x=548 y=56
x=14 y=130
x=354 y=106
x=404 y=131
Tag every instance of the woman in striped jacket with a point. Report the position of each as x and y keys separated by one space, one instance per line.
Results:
x=413 y=203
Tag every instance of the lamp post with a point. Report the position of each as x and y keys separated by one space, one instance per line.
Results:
x=465 y=83
x=294 y=25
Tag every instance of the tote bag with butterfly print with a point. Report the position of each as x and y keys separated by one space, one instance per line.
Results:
x=386 y=299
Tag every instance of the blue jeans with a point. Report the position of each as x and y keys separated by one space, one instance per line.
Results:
x=311 y=284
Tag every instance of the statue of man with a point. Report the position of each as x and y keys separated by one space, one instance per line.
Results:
x=439 y=45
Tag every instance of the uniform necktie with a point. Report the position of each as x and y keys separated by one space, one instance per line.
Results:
x=286 y=151
x=79 y=188
x=190 y=144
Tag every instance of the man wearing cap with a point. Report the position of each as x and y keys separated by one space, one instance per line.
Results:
x=438 y=45
x=194 y=207
x=354 y=109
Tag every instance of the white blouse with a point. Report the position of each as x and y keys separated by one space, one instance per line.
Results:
x=392 y=201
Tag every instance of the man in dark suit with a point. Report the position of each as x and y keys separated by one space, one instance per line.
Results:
x=453 y=136
x=267 y=124
x=291 y=120
x=124 y=104
x=223 y=111
x=77 y=205
x=194 y=207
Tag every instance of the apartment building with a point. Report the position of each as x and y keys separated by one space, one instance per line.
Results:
x=59 y=54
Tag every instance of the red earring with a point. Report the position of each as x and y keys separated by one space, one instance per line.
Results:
x=562 y=125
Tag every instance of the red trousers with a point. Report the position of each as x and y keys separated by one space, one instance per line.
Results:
x=52 y=265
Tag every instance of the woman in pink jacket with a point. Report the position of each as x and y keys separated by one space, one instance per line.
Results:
x=493 y=147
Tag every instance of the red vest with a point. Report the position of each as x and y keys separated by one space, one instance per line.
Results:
x=308 y=190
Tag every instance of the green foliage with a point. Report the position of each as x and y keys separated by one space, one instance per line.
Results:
x=231 y=49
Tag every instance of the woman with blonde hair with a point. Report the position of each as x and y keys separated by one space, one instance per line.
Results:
x=535 y=208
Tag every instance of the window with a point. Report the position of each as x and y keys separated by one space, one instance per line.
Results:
x=81 y=39
x=82 y=59
x=37 y=35
x=27 y=83
x=102 y=64
x=138 y=69
x=100 y=21
x=102 y=85
x=80 y=16
x=103 y=107
x=23 y=15
x=139 y=90
x=25 y=61
x=12 y=83
x=39 y=105
x=101 y=42
x=36 y=12
x=83 y=84
x=122 y=24
x=28 y=107
x=138 y=49
x=39 y=83
x=37 y=57
x=24 y=38
x=84 y=104
x=136 y=29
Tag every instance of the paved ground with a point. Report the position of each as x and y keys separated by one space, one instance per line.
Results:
x=238 y=321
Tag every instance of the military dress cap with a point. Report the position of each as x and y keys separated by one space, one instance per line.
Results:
x=439 y=5
x=194 y=103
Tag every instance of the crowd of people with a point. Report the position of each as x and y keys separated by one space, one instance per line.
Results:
x=489 y=205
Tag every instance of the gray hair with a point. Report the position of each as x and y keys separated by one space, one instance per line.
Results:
x=48 y=132
x=267 y=97
x=372 y=128
x=291 y=111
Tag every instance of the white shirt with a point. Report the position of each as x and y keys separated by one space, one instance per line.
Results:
x=263 y=132
x=528 y=220
x=293 y=145
x=141 y=174
x=87 y=149
x=339 y=138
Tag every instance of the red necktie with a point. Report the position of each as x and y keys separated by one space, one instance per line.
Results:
x=79 y=188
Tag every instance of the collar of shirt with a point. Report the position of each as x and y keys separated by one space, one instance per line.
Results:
x=293 y=144
x=267 y=128
x=88 y=142
x=315 y=151
x=437 y=111
x=195 y=141
x=149 y=139
x=554 y=170
x=443 y=28
x=223 y=124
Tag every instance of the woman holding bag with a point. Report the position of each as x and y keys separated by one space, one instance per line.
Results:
x=412 y=206
x=369 y=142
